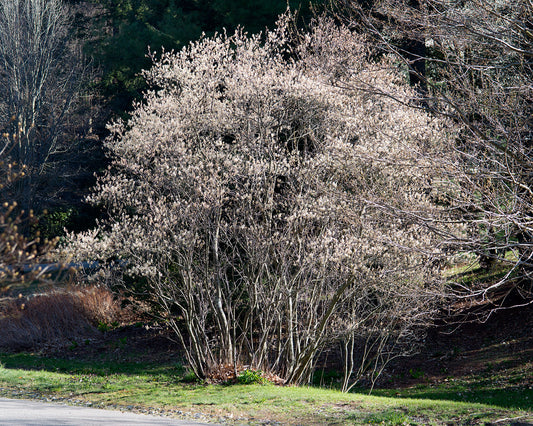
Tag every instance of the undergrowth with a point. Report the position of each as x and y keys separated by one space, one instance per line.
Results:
x=58 y=316
x=158 y=387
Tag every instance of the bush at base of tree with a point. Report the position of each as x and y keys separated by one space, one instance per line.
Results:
x=249 y=192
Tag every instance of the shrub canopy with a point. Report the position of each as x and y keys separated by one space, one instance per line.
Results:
x=261 y=200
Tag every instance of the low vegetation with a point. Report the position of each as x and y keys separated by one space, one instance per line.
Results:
x=167 y=389
x=54 y=317
x=479 y=375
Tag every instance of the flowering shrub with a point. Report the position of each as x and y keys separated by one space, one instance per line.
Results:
x=249 y=190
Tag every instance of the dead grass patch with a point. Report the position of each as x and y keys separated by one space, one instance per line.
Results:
x=57 y=316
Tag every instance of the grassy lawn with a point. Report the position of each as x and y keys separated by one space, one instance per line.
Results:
x=509 y=392
x=167 y=389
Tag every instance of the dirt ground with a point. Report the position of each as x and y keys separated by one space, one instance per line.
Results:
x=503 y=341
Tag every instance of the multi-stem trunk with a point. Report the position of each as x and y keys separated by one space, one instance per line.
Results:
x=227 y=351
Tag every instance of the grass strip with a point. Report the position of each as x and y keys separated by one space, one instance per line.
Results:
x=166 y=390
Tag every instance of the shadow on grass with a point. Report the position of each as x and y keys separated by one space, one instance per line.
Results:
x=505 y=397
x=24 y=361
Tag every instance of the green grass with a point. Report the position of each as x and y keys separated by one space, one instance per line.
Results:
x=484 y=391
x=468 y=272
x=160 y=388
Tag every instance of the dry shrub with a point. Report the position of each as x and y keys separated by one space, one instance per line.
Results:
x=228 y=373
x=56 y=317
x=224 y=373
x=98 y=304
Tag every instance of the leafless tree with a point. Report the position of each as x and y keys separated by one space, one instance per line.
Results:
x=475 y=67
x=40 y=78
x=19 y=256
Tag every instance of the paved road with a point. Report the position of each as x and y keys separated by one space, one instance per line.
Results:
x=19 y=412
